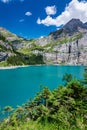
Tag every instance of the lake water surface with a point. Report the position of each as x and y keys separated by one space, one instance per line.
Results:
x=20 y=84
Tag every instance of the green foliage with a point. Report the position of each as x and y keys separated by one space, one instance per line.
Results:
x=8 y=109
x=2 y=38
x=85 y=77
x=25 y=60
x=3 y=64
x=64 y=108
x=78 y=36
x=25 y=51
x=67 y=78
x=3 y=48
x=35 y=59
x=15 y=60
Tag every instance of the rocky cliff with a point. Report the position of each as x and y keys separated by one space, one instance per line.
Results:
x=65 y=46
x=71 y=53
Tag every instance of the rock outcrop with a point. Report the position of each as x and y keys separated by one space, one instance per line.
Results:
x=3 y=56
x=71 y=53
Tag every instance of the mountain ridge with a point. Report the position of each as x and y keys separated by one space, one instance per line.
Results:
x=65 y=46
x=70 y=28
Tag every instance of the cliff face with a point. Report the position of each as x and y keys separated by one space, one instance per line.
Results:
x=68 y=45
x=65 y=46
x=70 y=53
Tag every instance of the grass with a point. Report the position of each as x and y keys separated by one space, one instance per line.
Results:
x=34 y=125
x=3 y=64
x=31 y=125
x=25 y=51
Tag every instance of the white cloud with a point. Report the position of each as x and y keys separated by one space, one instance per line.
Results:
x=39 y=21
x=74 y=9
x=51 y=10
x=21 y=20
x=47 y=21
x=41 y=37
x=28 y=13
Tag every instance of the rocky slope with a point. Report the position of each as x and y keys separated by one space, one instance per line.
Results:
x=65 y=46
x=68 y=45
x=15 y=50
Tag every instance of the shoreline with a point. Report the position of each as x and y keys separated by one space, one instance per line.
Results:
x=21 y=66
x=13 y=67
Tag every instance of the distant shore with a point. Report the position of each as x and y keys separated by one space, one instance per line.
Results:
x=13 y=67
x=21 y=66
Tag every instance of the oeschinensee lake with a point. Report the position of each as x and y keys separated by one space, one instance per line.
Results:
x=20 y=84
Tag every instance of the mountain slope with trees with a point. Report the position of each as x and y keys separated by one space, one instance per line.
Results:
x=67 y=45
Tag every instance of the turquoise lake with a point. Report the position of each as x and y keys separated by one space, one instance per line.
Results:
x=20 y=84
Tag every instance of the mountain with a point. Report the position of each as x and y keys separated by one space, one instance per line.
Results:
x=70 y=28
x=67 y=45
x=85 y=24
x=15 y=50
x=73 y=26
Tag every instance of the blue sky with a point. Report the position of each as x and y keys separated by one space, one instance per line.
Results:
x=37 y=18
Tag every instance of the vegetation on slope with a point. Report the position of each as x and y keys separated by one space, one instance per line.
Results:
x=19 y=56
x=71 y=32
x=64 y=108
x=18 y=48
x=25 y=60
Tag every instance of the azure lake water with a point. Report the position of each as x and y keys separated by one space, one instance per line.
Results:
x=20 y=84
